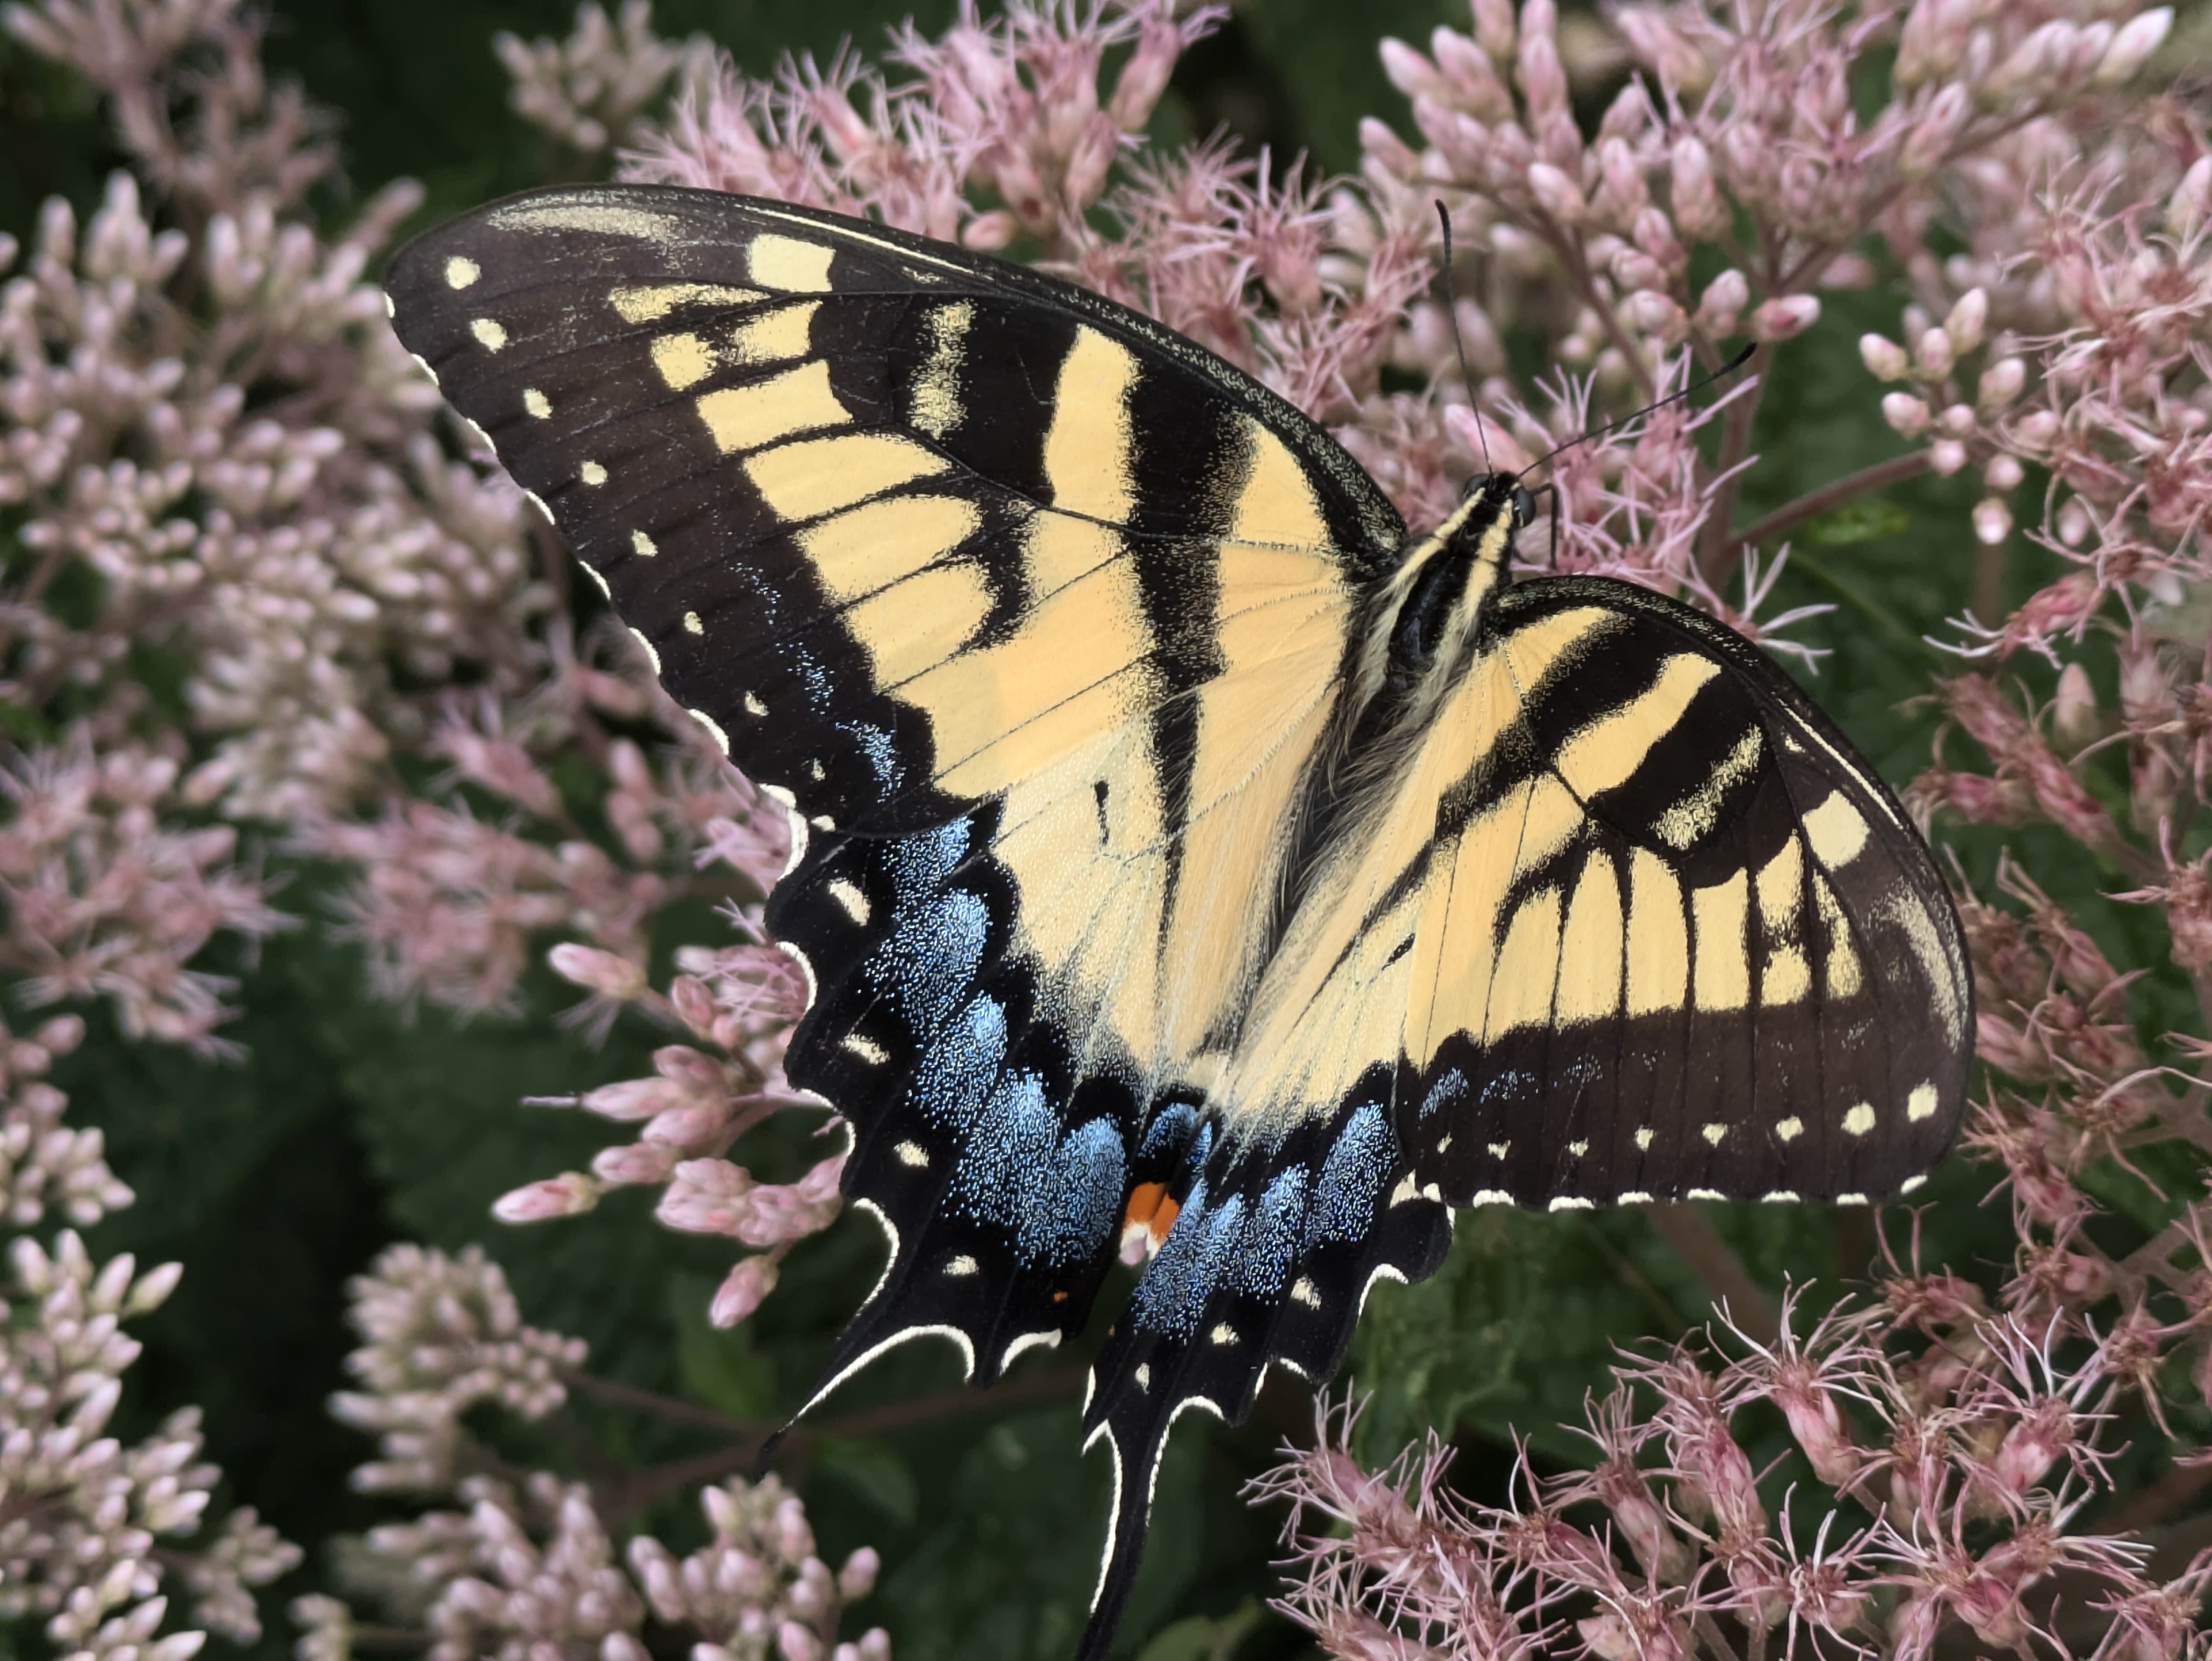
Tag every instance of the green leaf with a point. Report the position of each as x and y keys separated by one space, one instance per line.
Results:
x=874 y=1470
x=721 y=1368
x=1201 y=1638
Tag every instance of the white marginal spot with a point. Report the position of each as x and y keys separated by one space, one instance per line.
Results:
x=642 y=546
x=1491 y=1197
x=391 y=310
x=867 y=1048
x=1380 y=1272
x=488 y=334
x=1028 y=1341
x=805 y=968
x=1921 y=1104
x=1408 y=1190
x=815 y=771
x=1571 y=1202
x=1305 y=1292
x=1142 y=1375
x=460 y=272
x=592 y=572
x=423 y=364
x=483 y=437
x=1789 y=1129
x=646 y=646
x=823 y=822
x=536 y=403
x=1498 y=1149
x=1859 y=1120
x=1912 y=1183
x=847 y=894
x=1431 y=1191
x=1851 y=1198
x=753 y=705
x=539 y=502
x=1643 y=1139
x=962 y=1267
x=1636 y=1196
x=1704 y=1193
x=959 y=1339
x=1224 y=1334
x=1578 y=1148
x=913 y=1155
x=592 y=474
x=714 y=729
x=1713 y=1133
x=692 y=625
x=1443 y=1142
x=790 y=816
x=1780 y=1196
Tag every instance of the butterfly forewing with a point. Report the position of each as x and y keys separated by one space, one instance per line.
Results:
x=1054 y=631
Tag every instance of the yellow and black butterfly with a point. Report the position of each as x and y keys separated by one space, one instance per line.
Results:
x=1181 y=846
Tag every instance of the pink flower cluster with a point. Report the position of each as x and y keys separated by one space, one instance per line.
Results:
x=1958 y=1453
x=83 y=1515
x=527 y=1569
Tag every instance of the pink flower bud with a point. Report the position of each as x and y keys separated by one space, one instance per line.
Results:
x=1968 y=319
x=857 y=1578
x=1929 y=143
x=1384 y=149
x=741 y=1293
x=1634 y=269
x=698 y=1073
x=2036 y=430
x=2001 y=383
x=606 y=973
x=1655 y=313
x=635 y=1164
x=1494 y=29
x=1720 y=307
x=1543 y=80
x=633 y=1098
x=1091 y=161
x=1946 y=456
x=689 y=1127
x=1410 y=72
x=794 y=1643
x=989 y=233
x=570 y=1195
x=1885 y=359
x=2131 y=48
x=1782 y=318
x=1557 y=194
x=1655 y=235
x=2191 y=203
x=1137 y=89
x=1698 y=209
x=1907 y=416
x=1470 y=82
x=1932 y=355
x=1956 y=421
x=1992 y=521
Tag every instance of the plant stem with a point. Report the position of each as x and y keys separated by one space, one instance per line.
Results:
x=1690 y=1233
x=1814 y=503
x=668 y=1407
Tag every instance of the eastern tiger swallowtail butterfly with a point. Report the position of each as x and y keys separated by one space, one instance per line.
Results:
x=1182 y=847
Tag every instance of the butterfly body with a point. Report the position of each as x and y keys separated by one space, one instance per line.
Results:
x=1184 y=853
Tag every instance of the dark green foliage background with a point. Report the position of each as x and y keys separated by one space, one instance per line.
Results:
x=352 y=1124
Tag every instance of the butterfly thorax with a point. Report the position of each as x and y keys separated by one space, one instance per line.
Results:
x=1429 y=615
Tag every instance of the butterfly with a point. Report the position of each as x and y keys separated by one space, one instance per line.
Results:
x=1185 y=857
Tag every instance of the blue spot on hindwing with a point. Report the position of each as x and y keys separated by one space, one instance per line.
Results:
x=929 y=959
x=1352 y=1180
x=1169 y=1130
x=1449 y=1091
x=954 y=1080
x=1058 y=1196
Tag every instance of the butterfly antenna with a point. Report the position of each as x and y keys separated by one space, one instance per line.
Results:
x=1721 y=373
x=1451 y=314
